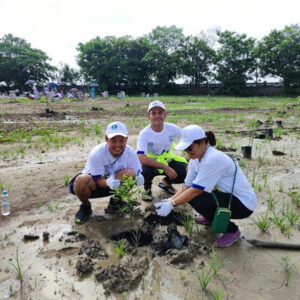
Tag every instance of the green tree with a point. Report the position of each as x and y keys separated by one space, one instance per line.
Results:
x=196 y=59
x=165 y=42
x=115 y=62
x=20 y=62
x=235 y=61
x=68 y=74
x=279 y=54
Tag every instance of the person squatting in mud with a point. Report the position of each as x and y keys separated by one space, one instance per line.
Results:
x=154 y=149
x=208 y=169
x=104 y=171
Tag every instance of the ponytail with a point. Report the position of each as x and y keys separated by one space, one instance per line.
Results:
x=211 y=138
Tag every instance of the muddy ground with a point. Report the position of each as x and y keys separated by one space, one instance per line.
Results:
x=67 y=261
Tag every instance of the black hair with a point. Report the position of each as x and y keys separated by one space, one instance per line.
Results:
x=210 y=138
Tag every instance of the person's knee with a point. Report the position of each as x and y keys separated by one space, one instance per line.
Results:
x=83 y=182
x=125 y=173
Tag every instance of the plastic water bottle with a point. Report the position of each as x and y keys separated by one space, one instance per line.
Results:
x=5 y=204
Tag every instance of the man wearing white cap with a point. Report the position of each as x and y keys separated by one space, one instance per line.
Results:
x=104 y=170
x=209 y=168
x=154 y=149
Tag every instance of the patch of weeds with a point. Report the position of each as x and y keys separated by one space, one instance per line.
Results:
x=289 y=268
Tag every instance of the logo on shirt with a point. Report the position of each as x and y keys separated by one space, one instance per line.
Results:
x=121 y=167
x=171 y=138
x=150 y=144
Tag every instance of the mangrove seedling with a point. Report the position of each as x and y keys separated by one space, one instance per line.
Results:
x=289 y=268
x=17 y=268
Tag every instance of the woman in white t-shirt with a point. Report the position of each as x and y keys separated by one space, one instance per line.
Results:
x=210 y=168
x=104 y=171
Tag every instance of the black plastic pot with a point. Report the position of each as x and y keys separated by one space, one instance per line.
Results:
x=269 y=133
x=47 y=110
x=279 y=123
x=247 y=151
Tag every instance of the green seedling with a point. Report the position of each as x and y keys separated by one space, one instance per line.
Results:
x=188 y=222
x=280 y=187
x=252 y=126
x=17 y=268
x=216 y=262
x=203 y=276
x=128 y=192
x=289 y=268
x=263 y=222
x=292 y=216
x=120 y=248
x=271 y=201
x=218 y=294
x=184 y=279
x=295 y=197
x=66 y=179
x=136 y=235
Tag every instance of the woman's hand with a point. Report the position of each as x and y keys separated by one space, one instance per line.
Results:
x=164 y=207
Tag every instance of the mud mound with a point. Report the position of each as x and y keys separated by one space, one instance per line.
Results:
x=124 y=276
x=93 y=249
x=84 y=266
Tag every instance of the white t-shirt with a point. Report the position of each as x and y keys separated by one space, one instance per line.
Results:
x=102 y=163
x=150 y=141
x=217 y=169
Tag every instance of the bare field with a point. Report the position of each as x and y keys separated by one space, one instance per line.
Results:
x=40 y=152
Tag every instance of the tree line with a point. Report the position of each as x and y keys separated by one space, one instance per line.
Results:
x=161 y=57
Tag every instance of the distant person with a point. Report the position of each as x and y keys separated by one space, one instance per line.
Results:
x=35 y=92
x=208 y=169
x=154 y=149
x=93 y=92
x=104 y=171
x=46 y=92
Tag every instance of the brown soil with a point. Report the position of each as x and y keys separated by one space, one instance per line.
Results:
x=65 y=266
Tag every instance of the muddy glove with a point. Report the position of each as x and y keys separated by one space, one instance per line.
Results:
x=140 y=180
x=112 y=182
x=164 y=207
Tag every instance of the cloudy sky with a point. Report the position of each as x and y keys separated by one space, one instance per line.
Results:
x=57 y=26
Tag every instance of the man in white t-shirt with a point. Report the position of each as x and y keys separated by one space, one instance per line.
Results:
x=154 y=149
x=104 y=171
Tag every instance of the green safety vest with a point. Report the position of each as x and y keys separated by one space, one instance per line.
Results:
x=167 y=157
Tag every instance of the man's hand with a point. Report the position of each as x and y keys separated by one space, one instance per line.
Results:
x=140 y=180
x=171 y=173
x=112 y=182
x=164 y=207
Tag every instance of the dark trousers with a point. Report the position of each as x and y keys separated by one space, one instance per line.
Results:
x=206 y=205
x=149 y=173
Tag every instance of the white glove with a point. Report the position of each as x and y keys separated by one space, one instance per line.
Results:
x=140 y=180
x=113 y=183
x=164 y=207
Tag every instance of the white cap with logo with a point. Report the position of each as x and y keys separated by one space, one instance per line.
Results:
x=156 y=103
x=116 y=128
x=190 y=134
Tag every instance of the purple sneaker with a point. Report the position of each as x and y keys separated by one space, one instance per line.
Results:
x=227 y=239
x=201 y=220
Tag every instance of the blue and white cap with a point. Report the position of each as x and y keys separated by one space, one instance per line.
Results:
x=116 y=128
x=189 y=134
x=156 y=103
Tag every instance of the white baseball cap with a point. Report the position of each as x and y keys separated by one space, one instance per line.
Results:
x=156 y=103
x=190 y=134
x=116 y=128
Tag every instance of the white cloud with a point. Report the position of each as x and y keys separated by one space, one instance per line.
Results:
x=57 y=26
